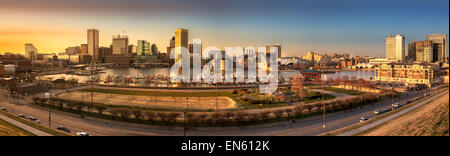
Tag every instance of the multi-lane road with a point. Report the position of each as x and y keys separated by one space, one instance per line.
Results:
x=95 y=126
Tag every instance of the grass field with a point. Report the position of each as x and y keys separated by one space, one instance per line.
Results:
x=7 y=129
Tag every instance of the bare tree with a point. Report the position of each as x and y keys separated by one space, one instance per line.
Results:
x=172 y=116
x=150 y=115
x=278 y=113
x=298 y=110
x=137 y=113
x=202 y=117
x=100 y=108
x=124 y=113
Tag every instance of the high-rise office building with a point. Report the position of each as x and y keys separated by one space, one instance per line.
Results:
x=30 y=52
x=120 y=45
x=132 y=49
x=421 y=50
x=439 y=47
x=93 y=40
x=181 y=42
x=275 y=46
x=143 y=48
x=181 y=38
x=154 y=49
x=83 y=49
x=395 y=48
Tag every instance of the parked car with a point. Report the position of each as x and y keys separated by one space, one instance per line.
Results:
x=83 y=134
x=65 y=129
x=38 y=121
x=3 y=109
x=387 y=110
x=363 y=119
x=22 y=116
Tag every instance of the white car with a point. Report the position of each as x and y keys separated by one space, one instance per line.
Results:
x=363 y=119
x=83 y=134
x=37 y=121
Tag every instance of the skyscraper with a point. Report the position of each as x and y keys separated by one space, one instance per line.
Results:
x=30 y=52
x=276 y=46
x=83 y=49
x=143 y=48
x=120 y=45
x=181 y=42
x=92 y=43
x=423 y=51
x=439 y=47
x=181 y=38
x=395 y=48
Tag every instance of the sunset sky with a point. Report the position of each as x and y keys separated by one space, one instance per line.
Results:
x=350 y=26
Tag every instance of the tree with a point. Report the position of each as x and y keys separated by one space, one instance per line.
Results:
x=265 y=115
x=278 y=113
x=345 y=80
x=137 y=113
x=172 y=116
x=297 y=86
x=337 y=81
x=162 y=116
x=100 y=108
x=353 y=81
x=124 y=113
x=298 y=110
x=229 y=115
x=202 y=117
x=150 y=115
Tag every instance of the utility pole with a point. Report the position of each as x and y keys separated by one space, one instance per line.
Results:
x=323 y=97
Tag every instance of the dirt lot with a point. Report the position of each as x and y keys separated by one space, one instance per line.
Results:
x=152 y=101
x=429 y=120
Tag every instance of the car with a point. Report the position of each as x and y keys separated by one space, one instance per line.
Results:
x=363 y=119
x=396 y=105
x=83 y=134
x=3 y=109
x=408 y=102
x=32 y=118
x=65 y=129
x=38 y=121
x=378 y=112
x=387 y=110
x=22 y=116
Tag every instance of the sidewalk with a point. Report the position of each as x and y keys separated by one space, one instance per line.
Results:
x=386 y=119
x=24 y=126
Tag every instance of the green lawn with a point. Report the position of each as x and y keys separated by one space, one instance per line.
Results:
x=317 y=96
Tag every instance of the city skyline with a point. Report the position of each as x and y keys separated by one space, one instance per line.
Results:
x=299 y=26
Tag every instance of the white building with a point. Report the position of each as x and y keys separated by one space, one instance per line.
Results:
x=395 y=48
